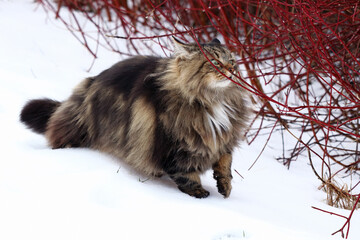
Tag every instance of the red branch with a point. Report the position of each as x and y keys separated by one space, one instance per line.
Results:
x=300 y=59
x=347 y=222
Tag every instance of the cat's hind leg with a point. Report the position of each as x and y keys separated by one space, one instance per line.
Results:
x=222 y=174
x=190 y=183
x=64 y=130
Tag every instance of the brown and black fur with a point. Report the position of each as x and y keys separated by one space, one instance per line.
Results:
x=178 y=116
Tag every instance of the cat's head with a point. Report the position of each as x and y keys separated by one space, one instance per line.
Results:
x=203 y=67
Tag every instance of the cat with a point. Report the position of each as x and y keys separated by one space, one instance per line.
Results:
x=179 y=116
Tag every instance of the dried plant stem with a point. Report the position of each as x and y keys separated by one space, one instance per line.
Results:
x=300 y=61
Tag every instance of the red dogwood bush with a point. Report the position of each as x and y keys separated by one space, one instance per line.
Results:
x=300 y=58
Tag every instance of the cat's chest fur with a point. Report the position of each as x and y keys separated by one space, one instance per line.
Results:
x=219 y=119
x=203 y=129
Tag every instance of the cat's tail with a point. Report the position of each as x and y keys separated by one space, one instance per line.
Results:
x=36 y=113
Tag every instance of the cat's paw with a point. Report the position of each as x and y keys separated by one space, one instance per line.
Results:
x=200 y=193
x=224 y=185
x=196 y=192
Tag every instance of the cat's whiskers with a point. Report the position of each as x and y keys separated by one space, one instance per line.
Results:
x=178 y=116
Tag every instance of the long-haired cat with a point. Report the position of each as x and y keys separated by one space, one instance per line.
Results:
x=178 y=116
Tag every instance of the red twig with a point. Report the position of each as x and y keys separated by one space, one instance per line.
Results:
x=301 y=60
x=347 y=222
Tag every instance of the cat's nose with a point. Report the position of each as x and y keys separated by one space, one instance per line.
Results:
x=231 y=70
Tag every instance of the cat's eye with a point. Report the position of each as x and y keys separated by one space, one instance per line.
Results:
x=232 y=62
x=215 y=62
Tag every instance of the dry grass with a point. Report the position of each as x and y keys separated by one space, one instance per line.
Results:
x=301 y=58
x=338 y=195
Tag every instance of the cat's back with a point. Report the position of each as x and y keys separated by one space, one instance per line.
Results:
x=121 y=111
x=124 y=75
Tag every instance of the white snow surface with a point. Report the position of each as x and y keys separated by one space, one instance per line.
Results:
x=83 y=194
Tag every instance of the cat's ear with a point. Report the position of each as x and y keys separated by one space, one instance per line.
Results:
x=180 y=47
x=216 y=41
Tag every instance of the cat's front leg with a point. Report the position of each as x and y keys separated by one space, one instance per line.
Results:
x=222 y=174
x=190 y=183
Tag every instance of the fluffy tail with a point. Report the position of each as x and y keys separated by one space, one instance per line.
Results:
x=36 y=113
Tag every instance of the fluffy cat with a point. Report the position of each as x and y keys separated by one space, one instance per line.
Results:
x=178 y=116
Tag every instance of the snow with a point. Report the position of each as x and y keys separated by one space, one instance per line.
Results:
x=84 y=194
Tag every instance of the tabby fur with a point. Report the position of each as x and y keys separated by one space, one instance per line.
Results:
x=178 y=116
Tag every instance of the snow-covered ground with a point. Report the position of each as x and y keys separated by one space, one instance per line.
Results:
x=83 y=194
